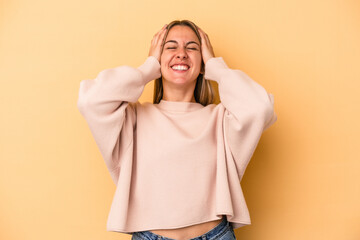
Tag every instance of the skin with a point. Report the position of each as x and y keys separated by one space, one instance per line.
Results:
x=182 y=46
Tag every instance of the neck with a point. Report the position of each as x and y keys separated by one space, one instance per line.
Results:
x=177 y=94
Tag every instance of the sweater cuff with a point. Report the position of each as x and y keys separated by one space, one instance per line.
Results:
x=150 y=69
x=214 y=68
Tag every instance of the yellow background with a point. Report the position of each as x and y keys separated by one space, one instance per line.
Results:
x=303 y=181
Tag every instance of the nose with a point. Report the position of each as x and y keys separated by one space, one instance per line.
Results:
x=181 y=53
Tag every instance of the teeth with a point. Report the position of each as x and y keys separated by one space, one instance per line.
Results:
x=180 y=67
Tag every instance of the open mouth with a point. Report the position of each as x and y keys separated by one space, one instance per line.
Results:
x=180 y=67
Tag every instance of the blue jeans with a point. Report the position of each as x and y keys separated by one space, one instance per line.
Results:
x=223 y=231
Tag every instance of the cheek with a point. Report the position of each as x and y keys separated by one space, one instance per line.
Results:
x=163 y=65
x=162 y=62
x=164 y=59
x=198 y=60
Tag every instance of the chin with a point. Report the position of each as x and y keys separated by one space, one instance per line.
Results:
x=180 y=81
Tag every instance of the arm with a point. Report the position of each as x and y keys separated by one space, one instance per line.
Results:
x=248 y=111
x=248 y=108
x=106 y=104
x=240 y=95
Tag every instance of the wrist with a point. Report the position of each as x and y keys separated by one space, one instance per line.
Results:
x=207 y=57
x=214 y=68
x=150 y=69
x=155 y=56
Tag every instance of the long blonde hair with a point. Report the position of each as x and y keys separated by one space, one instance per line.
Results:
x=203 y=92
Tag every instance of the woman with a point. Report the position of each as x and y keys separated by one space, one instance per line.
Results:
x=177 y=162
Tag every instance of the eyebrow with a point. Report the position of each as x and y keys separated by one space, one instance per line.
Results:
x=173 y=41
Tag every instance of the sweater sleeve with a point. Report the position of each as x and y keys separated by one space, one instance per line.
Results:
x=108 y=105
x=249 y=110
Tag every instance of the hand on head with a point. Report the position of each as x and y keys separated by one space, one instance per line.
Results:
x=156 y=44
x=206 y=47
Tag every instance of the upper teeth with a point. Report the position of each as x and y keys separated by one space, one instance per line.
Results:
x=180 y=67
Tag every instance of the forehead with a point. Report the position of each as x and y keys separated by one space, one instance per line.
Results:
x=182 y=33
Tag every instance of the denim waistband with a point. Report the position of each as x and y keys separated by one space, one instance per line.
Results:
x=212 y=234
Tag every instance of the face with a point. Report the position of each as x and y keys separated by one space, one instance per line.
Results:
x=181 y=57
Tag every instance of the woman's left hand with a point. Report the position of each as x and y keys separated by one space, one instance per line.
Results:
x=206 y=48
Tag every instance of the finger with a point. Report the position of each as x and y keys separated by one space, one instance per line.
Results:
x=156 y=35
x=163 y=27
x=162 y=33
x=159 y=35
x=206 y=38
x=201 y=32
x=203 y=40
x=161 y=30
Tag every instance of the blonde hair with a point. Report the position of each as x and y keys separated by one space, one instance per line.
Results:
x=203 y=92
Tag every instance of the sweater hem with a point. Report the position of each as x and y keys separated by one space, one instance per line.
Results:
x=235 y=223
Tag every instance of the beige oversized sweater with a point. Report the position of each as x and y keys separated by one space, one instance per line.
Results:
x=175 y=164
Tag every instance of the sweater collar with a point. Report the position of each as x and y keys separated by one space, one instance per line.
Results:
x=179 y=106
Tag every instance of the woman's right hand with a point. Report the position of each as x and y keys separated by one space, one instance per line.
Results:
x=156 y=43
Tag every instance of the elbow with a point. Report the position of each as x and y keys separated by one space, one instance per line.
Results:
x=86 y=105
x=268 y=114
x=82 y=101
x=122 y=76
x=81 y=105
